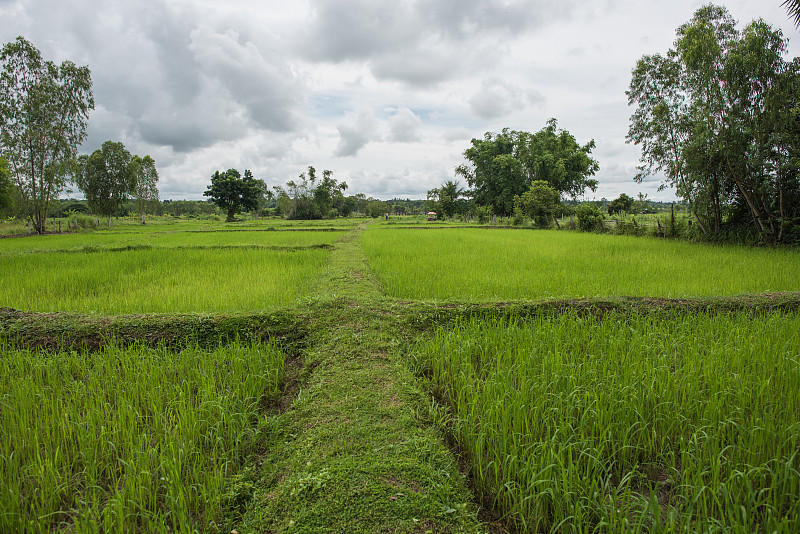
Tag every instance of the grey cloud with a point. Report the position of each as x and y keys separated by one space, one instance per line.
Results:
x=404 y=126
x=169 y=77
x=267 y=89
x=356 y=29
x=397 y=38
x=497 y=99
x=418 y=67
x=355 y=133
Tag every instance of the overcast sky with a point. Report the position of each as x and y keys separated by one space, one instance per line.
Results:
x=387 y=95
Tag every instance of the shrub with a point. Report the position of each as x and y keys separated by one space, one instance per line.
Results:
x=589 y=217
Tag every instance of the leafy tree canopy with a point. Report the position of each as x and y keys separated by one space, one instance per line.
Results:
x=234 y=193
x=717 y=117
x=107 y=177
x=44 y=109
x=538 y=203
x=445 y=200
x=623 y=203
x=502 y=166
x=145 y=189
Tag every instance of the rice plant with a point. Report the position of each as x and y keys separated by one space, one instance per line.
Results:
x=126 y=440
x=156 y=280
x=650 y=423
x=495 y=264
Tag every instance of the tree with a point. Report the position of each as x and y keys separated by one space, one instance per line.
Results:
x=623 y=203
x=539 y=203
x=503 y=166
x=793 y=7
x=308 y=198
x=107 y=178
x=5 y=184
x=145 y=189
x=44 y=109
x=715 y=116
x=444 y=200
x=233 y=193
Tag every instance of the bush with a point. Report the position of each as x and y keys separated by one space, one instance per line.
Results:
x=589 y=218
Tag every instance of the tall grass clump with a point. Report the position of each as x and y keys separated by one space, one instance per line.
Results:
x=128 y=439
x=647 y=423
x=493 y=264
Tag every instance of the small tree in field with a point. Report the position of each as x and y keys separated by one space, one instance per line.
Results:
x=539 y=203
x=146 y=180
x=107 y=178
x=232 y=193
x=623 y=203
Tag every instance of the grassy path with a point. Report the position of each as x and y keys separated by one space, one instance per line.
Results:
x=351 y=453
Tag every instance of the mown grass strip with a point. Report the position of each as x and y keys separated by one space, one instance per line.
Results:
x=127 y=439
x=661 y=422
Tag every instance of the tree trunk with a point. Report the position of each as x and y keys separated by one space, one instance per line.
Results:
x=231 y=214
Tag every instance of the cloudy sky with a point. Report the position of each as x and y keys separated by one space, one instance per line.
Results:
x=386 y=94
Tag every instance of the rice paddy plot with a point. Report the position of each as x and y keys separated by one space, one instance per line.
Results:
x=202 y=239
x=646 y=423
x=500 y=264
x=127 y=440
x=159 y=280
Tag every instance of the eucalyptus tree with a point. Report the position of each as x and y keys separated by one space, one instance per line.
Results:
x=146 y=179
x=712 y=115
x=107 y=177
x=44 y=109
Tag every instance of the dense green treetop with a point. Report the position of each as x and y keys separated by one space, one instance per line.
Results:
x=623 y=203
x=502 y=166
x=234 y=193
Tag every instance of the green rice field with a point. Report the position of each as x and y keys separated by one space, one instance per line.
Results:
x=127 y=440
x=395 y=376
x=647 y=423
x=473 y=264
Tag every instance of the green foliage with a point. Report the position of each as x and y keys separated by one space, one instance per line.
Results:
x=150 y=430
x=44 y=109
x=309 y=199
x=502 y=166
x=539 y=203
x=589 y=217
x=107 y=178
x=146 y=190
x=377 y=208
x=625 y=422
x=621 y=204
x=717 y=116
x=5 y=185
x=445 y=200
x=233 y=193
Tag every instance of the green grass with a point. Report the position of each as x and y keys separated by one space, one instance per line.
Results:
x=645 y=423
x=499 y=264
x=159 y=281
x=128 y=440
x=168 y=239
x=570 y=422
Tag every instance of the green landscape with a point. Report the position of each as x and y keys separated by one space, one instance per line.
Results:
x=504 y=356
